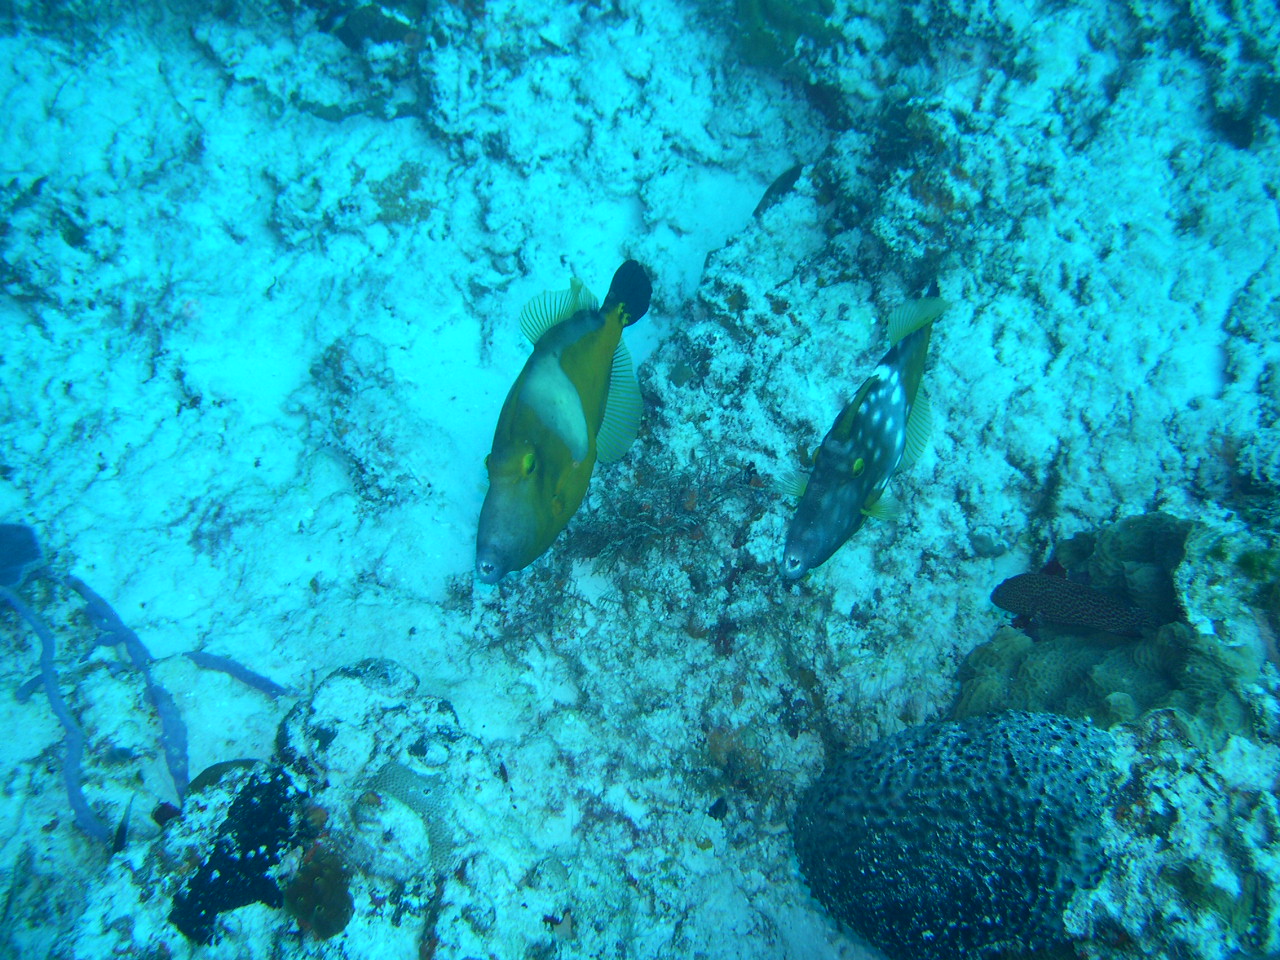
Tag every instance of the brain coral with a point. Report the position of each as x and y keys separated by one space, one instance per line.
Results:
x=958 y=840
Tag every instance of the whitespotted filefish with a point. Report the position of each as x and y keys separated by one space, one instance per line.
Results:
x=575 y=401
x=883 y=429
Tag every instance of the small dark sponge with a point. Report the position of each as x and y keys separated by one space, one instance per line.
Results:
x=958 y=840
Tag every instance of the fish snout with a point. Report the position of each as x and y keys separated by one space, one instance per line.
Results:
x=794 y=563
x=805 y=544
x=489 y=569
x=503 y=534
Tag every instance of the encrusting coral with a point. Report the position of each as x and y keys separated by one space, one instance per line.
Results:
x=319 y=895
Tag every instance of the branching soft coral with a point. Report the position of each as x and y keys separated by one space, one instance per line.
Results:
x=19 y=552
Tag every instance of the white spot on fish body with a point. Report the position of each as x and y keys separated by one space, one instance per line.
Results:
x=552 y=395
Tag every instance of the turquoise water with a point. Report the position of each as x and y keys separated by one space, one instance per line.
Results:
x=263 y=271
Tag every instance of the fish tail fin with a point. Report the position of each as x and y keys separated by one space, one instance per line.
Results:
x=629 y=293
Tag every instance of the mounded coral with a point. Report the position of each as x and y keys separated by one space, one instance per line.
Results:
x=957 y=840
x=1106 y=681
x=382 y=754
x=1136 y=556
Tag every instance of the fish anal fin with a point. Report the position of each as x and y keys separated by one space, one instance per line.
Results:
x=622 y=408
x=919 y=426
x=792 y=483
x=884 y=508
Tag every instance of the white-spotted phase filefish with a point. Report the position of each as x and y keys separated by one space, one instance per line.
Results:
x=884 y=428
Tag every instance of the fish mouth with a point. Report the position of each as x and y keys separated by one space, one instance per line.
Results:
x=489 y=571
x=793 y=566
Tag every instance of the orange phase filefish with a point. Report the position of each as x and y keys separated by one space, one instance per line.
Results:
x=575 y=401
x=883 y=429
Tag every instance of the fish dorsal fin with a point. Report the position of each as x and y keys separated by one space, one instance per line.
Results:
x=919 y=426
x=907 y=318
x=883 y=508
x=553 y=307
x=621 y=421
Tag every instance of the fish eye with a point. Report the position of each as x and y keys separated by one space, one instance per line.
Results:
x=528 y=463
x=858 y=466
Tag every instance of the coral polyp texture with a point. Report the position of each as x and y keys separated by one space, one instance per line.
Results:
x=952 y=841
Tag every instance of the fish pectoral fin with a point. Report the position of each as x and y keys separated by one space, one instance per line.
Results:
x=883 y=508
x=553 y=307
x=919 y=426
x=907 y=318
x=622 y=407
x=793 y=483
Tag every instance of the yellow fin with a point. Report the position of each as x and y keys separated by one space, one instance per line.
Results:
x=884 y=508
x=907 y=318
x=919 y=426
x=621 y=409
x=555 y=306
x=793 y=483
